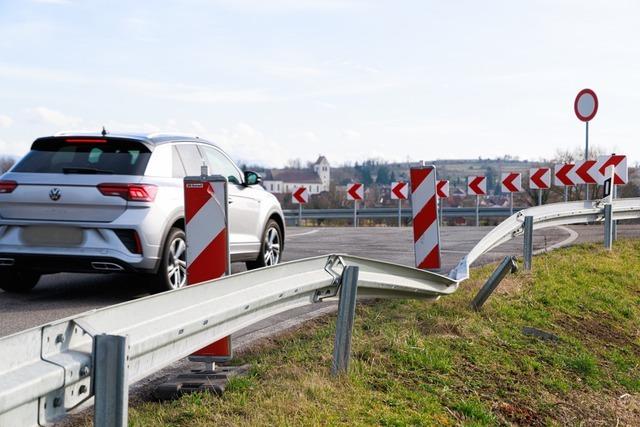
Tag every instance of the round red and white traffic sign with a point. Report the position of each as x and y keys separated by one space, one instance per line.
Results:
x=586 y=105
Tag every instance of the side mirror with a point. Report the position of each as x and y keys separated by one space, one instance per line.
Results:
x=252 y=178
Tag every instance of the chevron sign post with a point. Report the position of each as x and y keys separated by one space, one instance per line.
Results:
x=565 y=176
x=540 y=179
x=477 y=185
x=399 y=192
x=511 y=182
x=426 y=232
x=207 y=235
x=300 y=196
x=355 y=192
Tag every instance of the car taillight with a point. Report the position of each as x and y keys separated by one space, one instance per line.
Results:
x=130 y=192
x=7 y=186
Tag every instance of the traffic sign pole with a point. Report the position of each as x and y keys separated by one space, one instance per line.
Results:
x=566 y=194
x=399 y=212
x=355 y=213
x=540 y=197
x=586 y=156
x=477 y=210
x=299 y=214
x=510 y=203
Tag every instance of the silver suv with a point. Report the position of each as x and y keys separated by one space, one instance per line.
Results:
x=114 y=203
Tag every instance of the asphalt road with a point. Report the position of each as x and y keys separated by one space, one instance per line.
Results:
x=61 y=295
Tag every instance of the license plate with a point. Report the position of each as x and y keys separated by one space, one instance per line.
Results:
x=52 y=236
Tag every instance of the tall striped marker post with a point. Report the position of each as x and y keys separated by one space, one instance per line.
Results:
x=426 y=232
x=206 y=218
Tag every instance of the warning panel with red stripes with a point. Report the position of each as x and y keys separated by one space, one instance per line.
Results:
x=619 y=162
x=207 y=232
x=426 y=234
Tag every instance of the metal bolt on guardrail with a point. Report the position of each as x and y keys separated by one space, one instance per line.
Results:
x=527 y=250
x=346 y=316
x=111 y=387
x=608 y=226
x=508 y=265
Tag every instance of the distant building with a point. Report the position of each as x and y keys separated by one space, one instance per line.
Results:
x=316 y=179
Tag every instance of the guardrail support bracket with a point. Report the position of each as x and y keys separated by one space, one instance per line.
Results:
x=111 y=387
x=608 y=226
x=508 y=265
x=527 y=250
x=344 y=324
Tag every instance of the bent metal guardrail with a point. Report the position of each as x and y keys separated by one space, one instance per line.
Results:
x=545 y=216
x=47 y=371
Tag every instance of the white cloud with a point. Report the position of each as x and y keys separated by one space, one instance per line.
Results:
x=5 y=121
x=53 y=117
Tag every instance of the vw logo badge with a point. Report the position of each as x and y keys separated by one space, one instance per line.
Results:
x=55 y=194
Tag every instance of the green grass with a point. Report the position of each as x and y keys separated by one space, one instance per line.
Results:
x=420 y=363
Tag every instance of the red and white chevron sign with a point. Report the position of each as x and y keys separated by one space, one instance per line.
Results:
x=205 y=205
x=300 y=195
x=426 y=234
x=442 y=188
x=619 y=162
x=511 y=182
x=355 y=191
x=565 y=175
x=400 y=190
x=477 y=185
x=586 y=173
x=539 y=178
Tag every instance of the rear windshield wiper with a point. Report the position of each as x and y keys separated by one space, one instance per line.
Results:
x=87 y=171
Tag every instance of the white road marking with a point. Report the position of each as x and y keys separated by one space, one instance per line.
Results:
x=573 y=235
x=306 y=233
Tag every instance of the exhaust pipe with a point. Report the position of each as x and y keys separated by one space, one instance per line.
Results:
x=106 y=266
x=7 y=262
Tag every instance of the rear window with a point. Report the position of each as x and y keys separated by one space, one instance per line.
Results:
x=85 y=156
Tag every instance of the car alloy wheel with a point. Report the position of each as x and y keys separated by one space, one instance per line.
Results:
x=177 y=263
x=271 y=247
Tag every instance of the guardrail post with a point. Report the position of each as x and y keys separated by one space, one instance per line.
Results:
x=507 y=265
x=344 y=324
x=527 y=250
x=111 y=388
x=608 y=226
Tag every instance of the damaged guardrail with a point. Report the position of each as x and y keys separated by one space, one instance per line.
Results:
x=49 y=370
x=550 y=215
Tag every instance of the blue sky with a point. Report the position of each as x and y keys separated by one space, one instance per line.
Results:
x=283 y=79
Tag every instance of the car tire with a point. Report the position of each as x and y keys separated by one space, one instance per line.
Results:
x=19 y=281
x=172 y=273
x=271 y=247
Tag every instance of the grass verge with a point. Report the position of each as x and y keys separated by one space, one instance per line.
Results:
x=420 y=363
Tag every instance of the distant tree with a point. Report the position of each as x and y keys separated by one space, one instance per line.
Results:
x=294 y=164
x=6 y=163
x=392 y=177
x=383 y=176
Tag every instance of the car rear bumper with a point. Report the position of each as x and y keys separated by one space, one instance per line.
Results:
x=65 y=263
x=60 y=253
